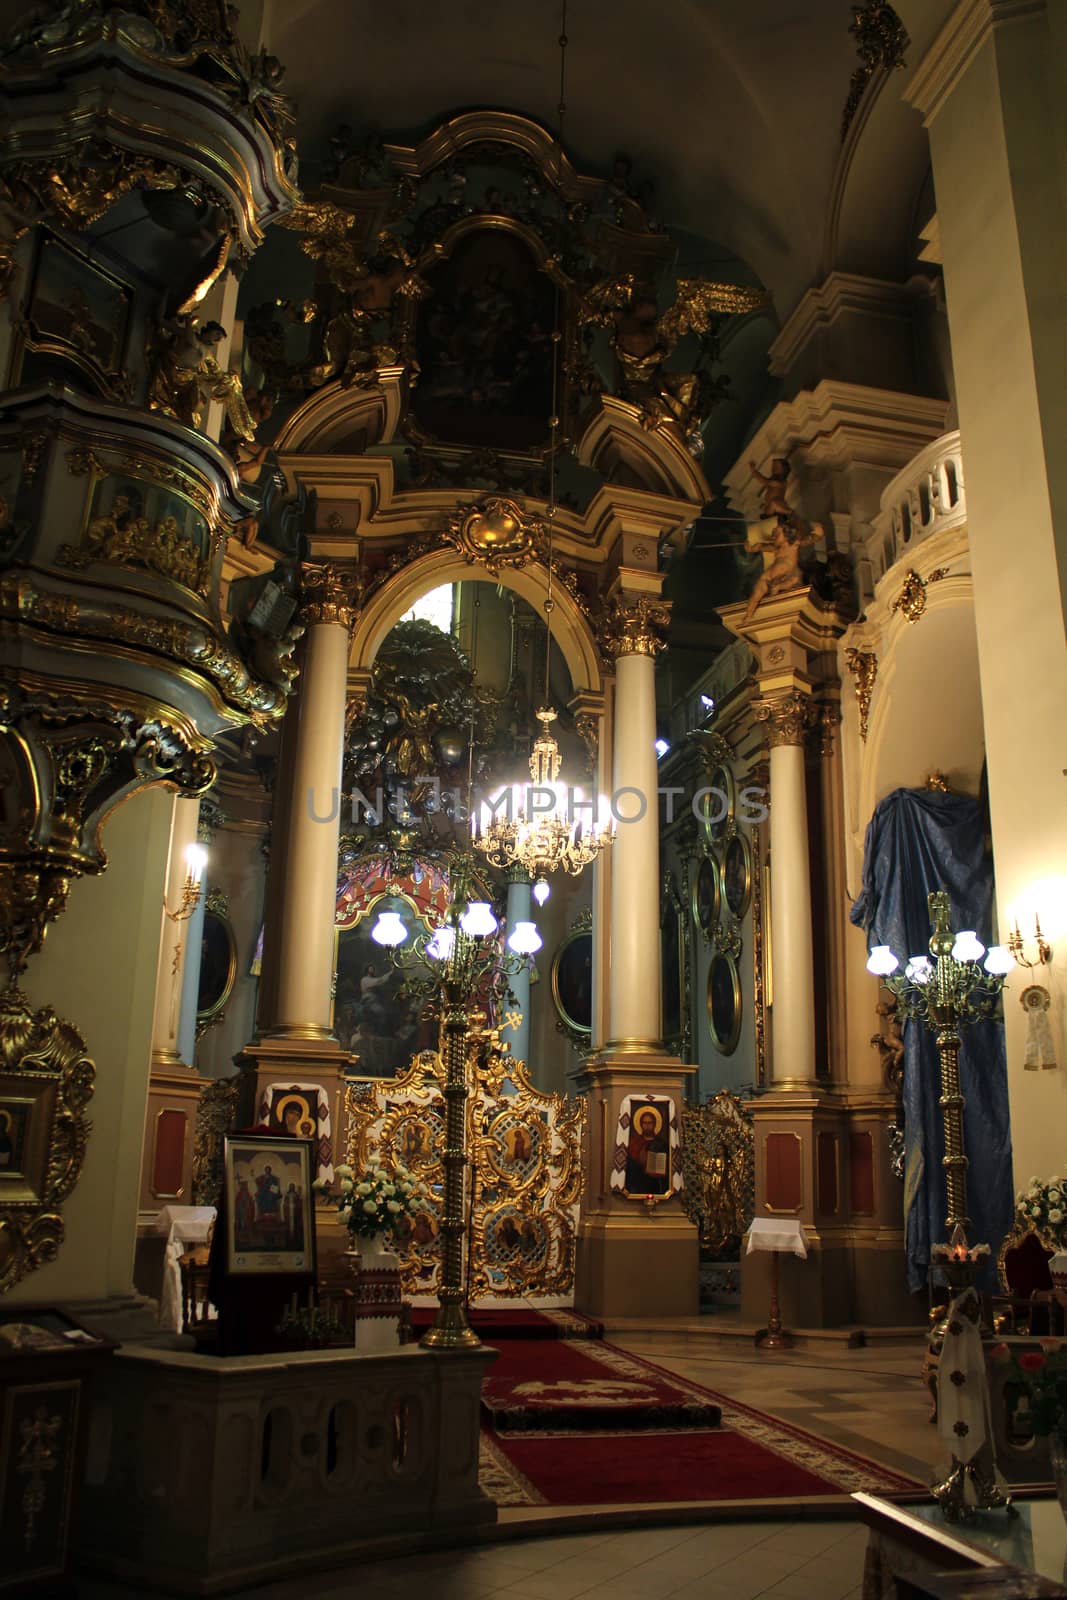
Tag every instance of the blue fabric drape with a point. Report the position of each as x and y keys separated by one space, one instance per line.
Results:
x=918 y=841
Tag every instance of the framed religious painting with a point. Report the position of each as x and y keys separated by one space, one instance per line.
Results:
x=572 y=982
x=707 y=892
x=717 y=802
x=376 y=1016
x=218 y=963
x=647 y=1161
x=737 y=874
x=724 y=1003
x=270 y=1222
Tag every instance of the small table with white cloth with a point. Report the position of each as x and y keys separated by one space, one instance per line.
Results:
x=776 y=1234
x=183 y=1226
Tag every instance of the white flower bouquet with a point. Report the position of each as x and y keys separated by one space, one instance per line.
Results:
x=380 y=1201
x=1044 y=1207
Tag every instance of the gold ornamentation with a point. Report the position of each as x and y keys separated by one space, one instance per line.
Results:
x=889 y=1042
x=32 y=451
x=526 y=1149
x=759 y=1008
x=827 y=718
x=937 y=783
x=587 y=727
x=911 y=601
x=863 y=665
x=635 y=625
x=185 y=377
x=881 y=40
x=786 y=718
x=40 y=1452
x=329 y=595
x=495 y=533
x=42 y=1058
x=719 y=1166
x=216 y=1116
x=134 y=542
x=726 y=938
x=77 y=189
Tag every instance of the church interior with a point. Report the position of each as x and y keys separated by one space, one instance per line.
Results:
x=533 y=897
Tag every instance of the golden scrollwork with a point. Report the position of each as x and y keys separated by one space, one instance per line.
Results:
x=881 y=40
x=863 y=665
x=77 y=189
x=135 y=542
x=911 y=601
x=825 y=724
x=46 y=1073
x=329 y=595
x=587 y=727
x=526 y=1162
x=635 y=625
x=719 y=1165
x=216 y=1115
x=786 y=718
x=494 y=533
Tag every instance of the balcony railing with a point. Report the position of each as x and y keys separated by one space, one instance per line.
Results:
x=927 y=497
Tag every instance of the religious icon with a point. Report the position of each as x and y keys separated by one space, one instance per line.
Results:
x=14 y=1125
x=647 y=1151
x=572 y=982
x=269 y=1204
x=706 y=894
x=724 y=1003
x=294 y=1112
x=518 y=1143
x=737 y=875
x=415 y=1143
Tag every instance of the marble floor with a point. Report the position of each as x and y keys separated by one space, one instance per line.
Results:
x=869 y=1400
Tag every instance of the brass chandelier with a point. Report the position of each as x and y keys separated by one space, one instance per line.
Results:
x=546 y=826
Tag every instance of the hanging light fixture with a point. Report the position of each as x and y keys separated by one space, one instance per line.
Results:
x=547 y=826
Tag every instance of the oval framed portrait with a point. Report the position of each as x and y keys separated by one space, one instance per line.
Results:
x=706 y=895
x=218 y=966
x=572 y=984
x=737 y=874
x=717 y=806
x=724 y=1003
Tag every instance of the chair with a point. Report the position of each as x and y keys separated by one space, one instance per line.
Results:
x=194 y=1266
x=1026 y=1303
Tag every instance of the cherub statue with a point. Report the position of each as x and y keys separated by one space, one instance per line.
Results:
x=185 y=377
x=890 y=1042
x=248 y=456
x=781 y=536
x=773 y=502
x=644 y=339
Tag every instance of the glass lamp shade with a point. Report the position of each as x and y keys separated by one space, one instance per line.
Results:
x=541 y=891
x=998 y=961
x=195 y=861
x=968 y=947
x=389 y=929
x=524 y=939
x=439 y=948
x=882 y=961
x=478 y=921
x=919 y=970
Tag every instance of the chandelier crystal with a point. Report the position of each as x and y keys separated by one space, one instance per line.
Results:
x=544 y=826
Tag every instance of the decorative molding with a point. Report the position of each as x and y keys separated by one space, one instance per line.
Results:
x=785 y=718
x=911 y=601
x=495 y=533
x=863 y=665
x=827 y=719
x=635 y=625
x=881 y=40
x=956 y=46
x=329 y=596
x=840 y=294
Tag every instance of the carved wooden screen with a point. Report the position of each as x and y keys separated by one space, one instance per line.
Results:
x=718 y=1161
x=525 y=1174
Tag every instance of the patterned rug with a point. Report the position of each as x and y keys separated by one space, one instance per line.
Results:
x=580 y=1385
x=492 y=1325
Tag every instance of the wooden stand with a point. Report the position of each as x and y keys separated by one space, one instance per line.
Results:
x=771 y=1337
x=773 y=1235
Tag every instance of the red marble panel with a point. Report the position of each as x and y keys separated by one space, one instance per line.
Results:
x=861 y=1173
x=782 y=1166
x=168 y=1161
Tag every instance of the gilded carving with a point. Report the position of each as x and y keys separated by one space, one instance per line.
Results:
x=889 y=1041
x=827 y=718
x=184 y=376
x=329 y=595
x=635 y=625
x=494 y=533
x=786 y=718
x=719 y=1165
x=911 y=601
x=863 y=665
x=587 y=727
x=77 y=189
x=216 y=1115
x=43 y=1063
x=881 y=40
x=130 y=541
x=526 y=1148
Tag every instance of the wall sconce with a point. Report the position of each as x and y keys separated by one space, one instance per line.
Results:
x=195 y=862
x=1035 y=1000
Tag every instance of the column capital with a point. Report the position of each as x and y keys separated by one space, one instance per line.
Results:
x=786 y=718
x=635 y=625
x=955 y=47
x=329 y=595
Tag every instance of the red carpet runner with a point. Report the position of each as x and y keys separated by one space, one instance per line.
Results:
x=751 y=1456
x=584 y=1384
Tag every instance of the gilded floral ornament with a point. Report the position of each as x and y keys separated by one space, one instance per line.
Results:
x=863 y=665
x=495 y=533
x=635 y=625
x=786 y=718
x=44 y=1066
x=329 y=595
x=911 y=601
x=881 y=40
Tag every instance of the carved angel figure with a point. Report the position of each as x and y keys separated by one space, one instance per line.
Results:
x=781 y=536
x=644 y=339
x=185 y=377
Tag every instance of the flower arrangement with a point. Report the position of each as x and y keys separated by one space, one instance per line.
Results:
x=380 y=1201
x=1044 y=1207
x=1043 y=1373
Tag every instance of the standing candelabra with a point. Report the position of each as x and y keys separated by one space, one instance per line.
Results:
x=459 y=964
x=950 y=987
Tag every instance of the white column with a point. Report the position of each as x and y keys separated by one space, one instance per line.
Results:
x=191 y=982
x=634 y=984
x=520 y=899
x=308 y=901
x=174 y=938
x=793 y=1056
